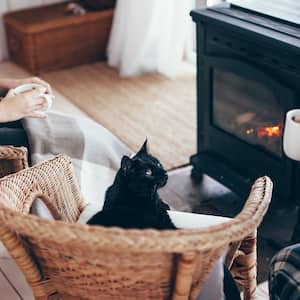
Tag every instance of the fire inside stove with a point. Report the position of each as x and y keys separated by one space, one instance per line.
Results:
x=271 y=131
x=269 y=137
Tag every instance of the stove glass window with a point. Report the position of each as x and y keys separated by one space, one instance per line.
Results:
x=248 y=110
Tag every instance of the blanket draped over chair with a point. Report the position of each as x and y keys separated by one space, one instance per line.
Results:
x=82 y=139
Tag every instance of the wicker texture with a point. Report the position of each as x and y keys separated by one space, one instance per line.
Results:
x=82 y=262
x=12 y=159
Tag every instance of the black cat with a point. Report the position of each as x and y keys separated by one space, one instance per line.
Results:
x=132 y=200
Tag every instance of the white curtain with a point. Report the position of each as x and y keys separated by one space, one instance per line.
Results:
x=9 y=5
x=149 y=36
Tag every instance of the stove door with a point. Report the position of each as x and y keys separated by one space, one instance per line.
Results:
x=248 y=109
x=241 y=113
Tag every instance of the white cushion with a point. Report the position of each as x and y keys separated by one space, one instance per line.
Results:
x=193 y=221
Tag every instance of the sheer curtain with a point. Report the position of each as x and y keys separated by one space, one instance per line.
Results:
x=149 y=36
x=8 y=5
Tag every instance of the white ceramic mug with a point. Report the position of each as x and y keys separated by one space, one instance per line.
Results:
x=291 y=135
x=34 y=86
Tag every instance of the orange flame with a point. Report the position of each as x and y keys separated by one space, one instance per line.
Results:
x=267 y=131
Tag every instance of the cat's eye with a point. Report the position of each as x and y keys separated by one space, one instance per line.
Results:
x=148 y=172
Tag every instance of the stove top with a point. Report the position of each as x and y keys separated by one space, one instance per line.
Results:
x=283 y=10
x=282 y=16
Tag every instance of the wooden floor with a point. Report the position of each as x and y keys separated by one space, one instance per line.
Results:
x=137 y=107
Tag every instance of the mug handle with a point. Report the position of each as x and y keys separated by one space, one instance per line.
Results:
x=49 y=100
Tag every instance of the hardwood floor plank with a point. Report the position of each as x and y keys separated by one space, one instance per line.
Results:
x=7 y=291
x=144 y=106
x=14 y=276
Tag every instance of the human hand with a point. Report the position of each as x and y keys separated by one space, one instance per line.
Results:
x=11 y=83
x=27 y=104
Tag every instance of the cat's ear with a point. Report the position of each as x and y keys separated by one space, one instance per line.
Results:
x=125 y=164
x=144 y=148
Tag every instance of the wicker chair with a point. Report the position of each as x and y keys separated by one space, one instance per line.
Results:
x=65 y=260
x=12 y=159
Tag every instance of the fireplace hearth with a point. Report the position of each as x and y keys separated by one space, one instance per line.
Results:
x=248 y=77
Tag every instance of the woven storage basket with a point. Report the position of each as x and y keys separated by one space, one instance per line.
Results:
x=64 y=260
x=45 y=38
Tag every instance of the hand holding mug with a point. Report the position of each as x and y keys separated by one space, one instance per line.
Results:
x=35 y=91
x=25 y=101
x=13 y=108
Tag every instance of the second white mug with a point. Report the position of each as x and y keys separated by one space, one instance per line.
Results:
x=291 y=135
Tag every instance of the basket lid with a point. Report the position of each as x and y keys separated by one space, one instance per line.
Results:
x=43 y=18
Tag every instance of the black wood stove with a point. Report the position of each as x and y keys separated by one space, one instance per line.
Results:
x=248 y=77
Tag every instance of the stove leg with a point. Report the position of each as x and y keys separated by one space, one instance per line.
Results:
x=196 y=175
x=296 y=234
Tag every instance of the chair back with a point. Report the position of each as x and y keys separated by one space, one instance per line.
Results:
x=78 y=261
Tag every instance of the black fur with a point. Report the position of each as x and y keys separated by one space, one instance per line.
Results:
x=132 y=200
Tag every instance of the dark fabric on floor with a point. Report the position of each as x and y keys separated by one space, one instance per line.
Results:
x=13 y=133
x=284 y=279
x=230 y=289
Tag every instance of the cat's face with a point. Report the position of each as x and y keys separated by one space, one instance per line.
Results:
x=143 y=171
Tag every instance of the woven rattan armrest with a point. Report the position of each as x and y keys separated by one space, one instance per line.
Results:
x=241 y=260
x=12 y=159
